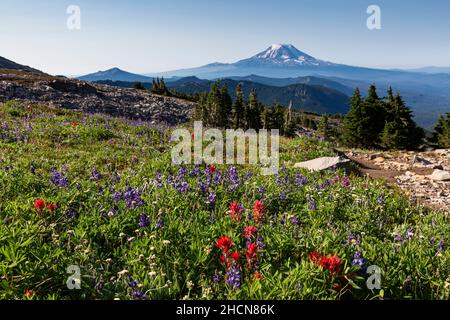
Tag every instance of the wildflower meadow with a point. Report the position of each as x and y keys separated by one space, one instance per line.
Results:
x=100 y=195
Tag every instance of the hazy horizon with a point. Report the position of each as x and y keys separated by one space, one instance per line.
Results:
x=143 y=37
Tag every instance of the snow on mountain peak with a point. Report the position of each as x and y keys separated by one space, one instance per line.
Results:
x=285 y=54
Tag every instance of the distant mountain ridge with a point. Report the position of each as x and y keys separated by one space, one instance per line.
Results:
x=8 y=64
x=307 y=97
x=428 y=94
x=115 y=74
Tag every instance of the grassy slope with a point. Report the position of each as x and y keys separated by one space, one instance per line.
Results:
x=102 y=236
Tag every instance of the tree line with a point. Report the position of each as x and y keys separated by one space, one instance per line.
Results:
x=372 y=122
x=376 y=122
x=217 y=109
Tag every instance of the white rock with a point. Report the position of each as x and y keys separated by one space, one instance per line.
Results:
x=440 y=175
x=324 y=163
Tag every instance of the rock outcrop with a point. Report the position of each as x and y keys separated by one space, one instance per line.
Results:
x=424 y=175
x=93 y=98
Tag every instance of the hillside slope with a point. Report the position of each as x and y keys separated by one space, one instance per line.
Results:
x=91 y=98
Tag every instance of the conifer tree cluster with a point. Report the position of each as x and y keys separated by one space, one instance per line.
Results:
x=159 y=87
x=442 y=131
x=375 y=122
x=217 y=109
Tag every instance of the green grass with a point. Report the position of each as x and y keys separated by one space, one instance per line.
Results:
x=102 y=235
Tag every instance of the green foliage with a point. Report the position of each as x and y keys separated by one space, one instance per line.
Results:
x=387 y=123
x=138 y=86
x=173 y=256
x=442 y=131
x=159 y=87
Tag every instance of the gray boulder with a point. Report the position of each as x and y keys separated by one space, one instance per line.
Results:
x=324 y=163
x=440 y=175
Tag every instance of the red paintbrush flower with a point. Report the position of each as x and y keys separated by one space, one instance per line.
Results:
x=28 y=293
x=51 y=207
x=212 y=168
x=314 y=257
x=235 y=211
x=331 y=263
x=334 y=263
x=258 y=209
x=39 y=204
x=257 y=275
x=224 y=243
x=251 y=254
x=236 y=256
x=250 y=231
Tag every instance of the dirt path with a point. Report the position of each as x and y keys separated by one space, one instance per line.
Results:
x=411 y=172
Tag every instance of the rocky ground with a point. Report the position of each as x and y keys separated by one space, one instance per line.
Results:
x=62 y=92
x=422 y=175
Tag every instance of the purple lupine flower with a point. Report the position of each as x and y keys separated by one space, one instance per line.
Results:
x=183 y=187
x=234 y=276
x=115 y=178
x=216 y=278
x=181 y=173
x=158 y=180
x=353 y=239
x=299 y=287
x=58 y=179
x=359 y=260
x=312 y=203
x=398 y=238
x=160 y=223
x=133 y=198
x=248 y=175
x=283 y=218
x=301 y=180
x=260 y=244
x=217 y=178
x=409 y=234
x=261 y=190
x=282 y=196
x=132 y=283
x=201 y=186
x=211 y=199
x=117 y=196
x=99 y=285
x=233 y=178
x=138 y=294
x=441 y=246
x=381 y=200
x=71 y=213
x=413 y=201
x=294 y=221
x=144 y=221
x=196 y=171
x=96 y=176
x=33 y=169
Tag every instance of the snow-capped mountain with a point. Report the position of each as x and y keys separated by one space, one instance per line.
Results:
x=284 y=55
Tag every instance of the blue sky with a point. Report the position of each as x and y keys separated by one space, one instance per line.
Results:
x=157 y=35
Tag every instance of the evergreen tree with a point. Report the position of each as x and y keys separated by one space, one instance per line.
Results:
x=324 y=127
x=238 y=107
x=139 y=86
x=375 y=115
x=354 y=131
x=225 y=107
x=442 y=131
x=213 y=104
x=253 y=114
x=400 y=131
